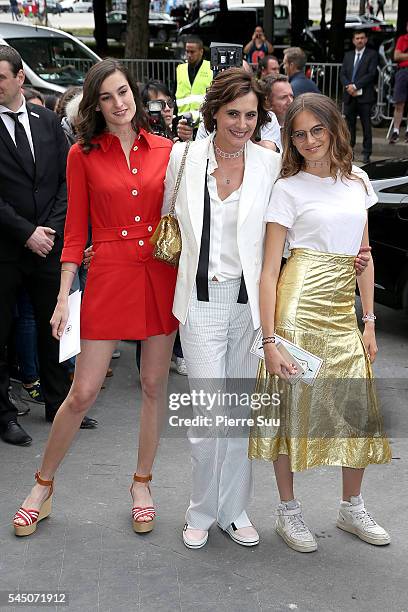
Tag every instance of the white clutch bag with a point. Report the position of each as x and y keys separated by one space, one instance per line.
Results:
x=308 y=364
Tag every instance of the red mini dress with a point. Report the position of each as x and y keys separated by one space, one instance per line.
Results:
x=128 y=293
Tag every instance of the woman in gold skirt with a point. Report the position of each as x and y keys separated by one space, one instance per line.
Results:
x=319 y=204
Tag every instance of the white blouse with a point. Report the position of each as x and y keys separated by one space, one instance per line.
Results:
x=224 y=261
x=322 y=214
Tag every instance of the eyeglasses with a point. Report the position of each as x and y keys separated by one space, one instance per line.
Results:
x=170 y=103
x=318 y=132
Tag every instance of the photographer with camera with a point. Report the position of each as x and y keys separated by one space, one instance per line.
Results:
x=258 y=46
x=159 y=104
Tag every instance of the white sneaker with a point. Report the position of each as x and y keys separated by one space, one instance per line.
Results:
x=194 y=538
x=354 y=518
x=181 y=367
x=290 y=525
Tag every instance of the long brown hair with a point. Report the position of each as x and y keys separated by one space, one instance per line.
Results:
x=226 y=87
x=92 y=122
x=327 y=113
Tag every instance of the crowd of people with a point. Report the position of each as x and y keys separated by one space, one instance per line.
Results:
x=255 y=162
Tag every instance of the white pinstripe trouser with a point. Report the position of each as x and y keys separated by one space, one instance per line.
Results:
x=216 y=339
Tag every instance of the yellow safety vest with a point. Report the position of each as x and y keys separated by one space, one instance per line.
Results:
x=190 y=97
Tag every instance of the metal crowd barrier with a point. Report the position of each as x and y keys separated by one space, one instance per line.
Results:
x=160 y=70
x=327 y=78
x=80 y=64
x=385 y=92
x=325 y=75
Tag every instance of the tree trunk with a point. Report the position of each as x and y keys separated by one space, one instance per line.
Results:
x=402 y=17
x=137 y=32
x=100 y=31
x=336 y=46
x=268 y=22
x=323 y=19
x=300 y=17
x=362 y=8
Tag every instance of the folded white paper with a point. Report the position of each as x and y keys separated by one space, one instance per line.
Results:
x=70 y=341
x=309 y=362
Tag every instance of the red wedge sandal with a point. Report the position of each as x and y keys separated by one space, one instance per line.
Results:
x=31 y=518
x=138 y=513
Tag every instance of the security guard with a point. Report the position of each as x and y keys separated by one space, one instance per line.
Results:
x=193 y=78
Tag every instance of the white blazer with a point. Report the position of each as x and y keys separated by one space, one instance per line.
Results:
x=261 y=170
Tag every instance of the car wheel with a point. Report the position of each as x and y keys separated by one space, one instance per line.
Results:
x=90 y=10
x=70 y=10
x=162 y=36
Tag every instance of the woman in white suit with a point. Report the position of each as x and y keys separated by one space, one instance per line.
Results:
x=221 y=203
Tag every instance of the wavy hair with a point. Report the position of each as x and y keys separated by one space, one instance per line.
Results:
x=92 y=122
x=327 y=113
x=228 y=86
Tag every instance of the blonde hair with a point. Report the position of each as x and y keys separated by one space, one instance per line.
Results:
x=72 y=108
x=329 y=116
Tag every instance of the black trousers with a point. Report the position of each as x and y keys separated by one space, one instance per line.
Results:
x=353 y=109
x=41 y=278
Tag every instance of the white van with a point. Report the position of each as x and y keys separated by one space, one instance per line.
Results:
x=53 y=60
x=76 y=6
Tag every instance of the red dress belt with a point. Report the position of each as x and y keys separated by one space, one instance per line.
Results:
x=125 y=232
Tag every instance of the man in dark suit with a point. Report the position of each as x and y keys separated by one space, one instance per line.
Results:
x=33 y=200
x=358 y=75
x=294 y=62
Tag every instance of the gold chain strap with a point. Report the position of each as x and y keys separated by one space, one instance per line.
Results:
x=178 y=180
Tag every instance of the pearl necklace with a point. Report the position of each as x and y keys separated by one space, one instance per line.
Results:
x=225 y=155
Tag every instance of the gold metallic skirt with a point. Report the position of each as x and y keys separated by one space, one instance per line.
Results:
x=336 y=421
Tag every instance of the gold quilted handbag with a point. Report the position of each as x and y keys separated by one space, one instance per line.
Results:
x=167 y=236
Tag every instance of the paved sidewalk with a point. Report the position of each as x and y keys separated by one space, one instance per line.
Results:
x=381 y=148
x=87 y=547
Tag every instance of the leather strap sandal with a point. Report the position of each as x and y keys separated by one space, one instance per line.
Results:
x=138 y=513
x=30 y=517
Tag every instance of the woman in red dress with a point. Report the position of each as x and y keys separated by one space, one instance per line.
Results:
x=115 y=177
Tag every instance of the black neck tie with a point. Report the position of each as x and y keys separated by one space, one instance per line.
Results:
x=22 y=144
x=204 y=257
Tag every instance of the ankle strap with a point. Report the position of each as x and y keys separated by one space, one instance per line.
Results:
x=137 y=478
x=44 y=483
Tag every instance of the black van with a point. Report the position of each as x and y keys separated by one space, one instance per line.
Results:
x=236 y=25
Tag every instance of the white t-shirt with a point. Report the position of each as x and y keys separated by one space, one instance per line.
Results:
x=321 y=213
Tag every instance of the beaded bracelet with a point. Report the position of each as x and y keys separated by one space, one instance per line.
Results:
x=369 y=316
x=268 y=340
